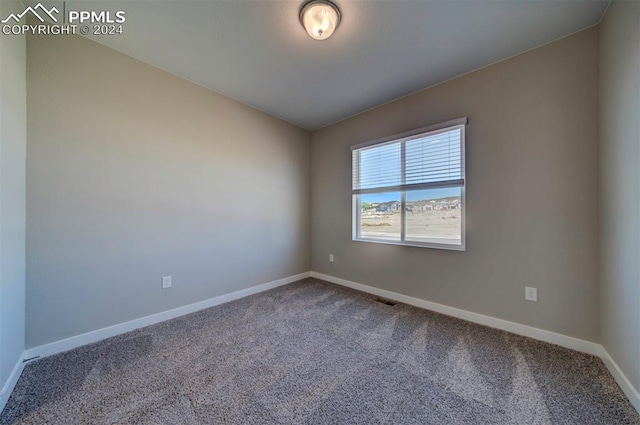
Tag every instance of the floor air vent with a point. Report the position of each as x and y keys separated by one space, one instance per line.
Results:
x=385 y=301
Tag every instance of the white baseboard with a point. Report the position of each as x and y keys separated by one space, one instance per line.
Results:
x=11 y=382
x=631 y=393
x=505 y=325
x=100 y=334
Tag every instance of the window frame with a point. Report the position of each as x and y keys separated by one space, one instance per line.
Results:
x=401 y=138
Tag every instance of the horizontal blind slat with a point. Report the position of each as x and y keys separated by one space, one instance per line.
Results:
x=409 y=187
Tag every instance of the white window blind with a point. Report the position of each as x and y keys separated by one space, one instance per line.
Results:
x=427 y=160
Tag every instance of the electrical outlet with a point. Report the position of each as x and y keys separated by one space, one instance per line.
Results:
x=166 y=282
x=530 y=294
x=331 y=258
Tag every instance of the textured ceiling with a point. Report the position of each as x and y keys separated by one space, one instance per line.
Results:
x=255 y=51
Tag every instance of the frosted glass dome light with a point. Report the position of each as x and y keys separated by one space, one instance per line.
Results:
x=320 y=18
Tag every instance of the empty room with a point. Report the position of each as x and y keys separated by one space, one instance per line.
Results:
x=320 y=212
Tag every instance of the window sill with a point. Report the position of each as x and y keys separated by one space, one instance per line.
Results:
x=431 y=245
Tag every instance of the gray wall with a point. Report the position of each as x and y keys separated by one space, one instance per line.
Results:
x=532 y=192
x=620 y=185
x=13 y=142
x=134 y=174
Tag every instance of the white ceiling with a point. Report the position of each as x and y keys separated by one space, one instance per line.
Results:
x=256 y=51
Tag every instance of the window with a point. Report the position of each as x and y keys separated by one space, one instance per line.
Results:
x=408 y=189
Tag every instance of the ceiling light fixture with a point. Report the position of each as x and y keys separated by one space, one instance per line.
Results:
x=320 y=18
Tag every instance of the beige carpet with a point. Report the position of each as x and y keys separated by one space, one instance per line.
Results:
x=316 y=353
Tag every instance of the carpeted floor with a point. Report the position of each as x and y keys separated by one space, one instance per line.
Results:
x=316 y=353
